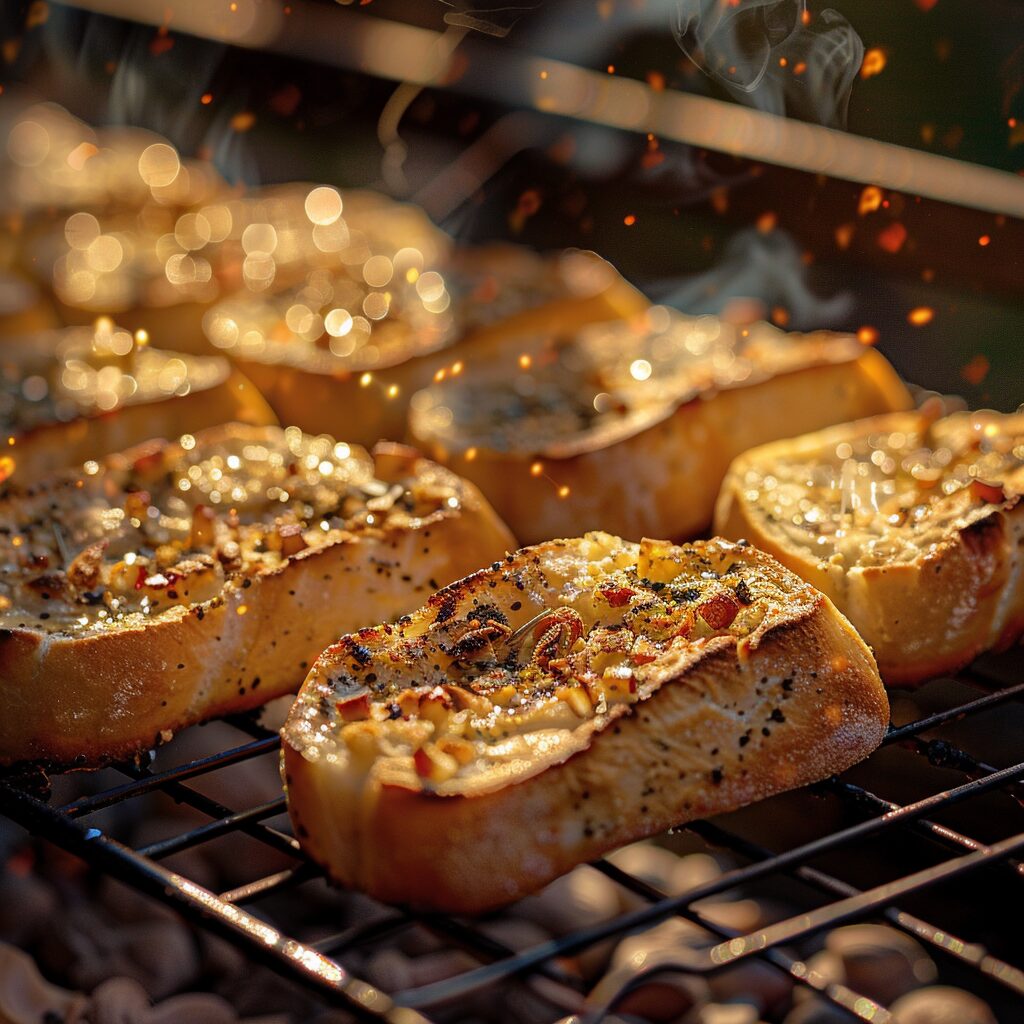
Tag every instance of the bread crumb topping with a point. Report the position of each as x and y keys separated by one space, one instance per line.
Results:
x=504 y=679
x=129 y=541
x=615 y=376
x=884 y=497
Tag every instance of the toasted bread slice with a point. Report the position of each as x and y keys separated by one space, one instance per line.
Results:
x=631 y=426
x=184 y=580
x=914 y=526
x=574 y=697
x=83 y=393
x=345 y=373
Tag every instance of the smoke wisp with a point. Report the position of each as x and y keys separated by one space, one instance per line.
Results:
x=774 y=55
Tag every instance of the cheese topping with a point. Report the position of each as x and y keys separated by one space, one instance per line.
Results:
x=890 y=496
x=520 y=676
x=616 y=376
x=125 y=543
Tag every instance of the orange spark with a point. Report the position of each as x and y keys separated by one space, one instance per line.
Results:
x=629 y=220
x=921 y=315
x=563 y=491
x=656 y=80
x=873 y=63
x=525 y=362
x=206 y=99
x=799 y=68
x=536 y=469
x=243 y=122
x=611 y=69
x=870 y=200
x=867 y=335
x=984 y=240
x=844 y=235
x=767 y=222
x=6 y=467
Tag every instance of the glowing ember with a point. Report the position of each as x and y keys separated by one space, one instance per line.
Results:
x=6 y=467
x=867 y=335
x=893 y=237
x=536 y=469
x=984 y=240
x=873 y=64
x=767 y=222
x=870 y=200
x=976 y=370
x=921 y=315
x=629 y=220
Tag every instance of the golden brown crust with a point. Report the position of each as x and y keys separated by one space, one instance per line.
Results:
x=90 y=699
x=674 y=465
x=926 y=612
x=723 y=724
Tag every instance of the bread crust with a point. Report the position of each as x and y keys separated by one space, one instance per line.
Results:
x=674 y=460
x=91 y=699
x=934 y=613
x=711 y=735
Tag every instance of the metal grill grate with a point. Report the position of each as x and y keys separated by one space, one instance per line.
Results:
x=917 y=845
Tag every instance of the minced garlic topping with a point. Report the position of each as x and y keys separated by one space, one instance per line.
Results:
x=115 y=545
x=612 y=375
x=890 y=496
x=502 y=685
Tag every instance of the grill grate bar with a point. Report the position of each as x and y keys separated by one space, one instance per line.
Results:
x=215 y=829
x=971 y=953
x=211 y=808
x=262 y=887
x=941 y=833
x=897 y=734
x=154 y=780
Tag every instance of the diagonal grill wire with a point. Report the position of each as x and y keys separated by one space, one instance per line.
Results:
x=154 y=780
x=902 y=732
x=262 y=942
x=858 y=796
x=268 y=884
x=579 y=940
x=272 y=837
x=971 y=953
x=214 y=829
x=839 y=995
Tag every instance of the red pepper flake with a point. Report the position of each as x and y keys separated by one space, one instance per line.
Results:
x=981 y=490
x=423 y=764
x=617 y=596
x=641 y=659
x=354 y=708
x=719 y=611
x=141 y=577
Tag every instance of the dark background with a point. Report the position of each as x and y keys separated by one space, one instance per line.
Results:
x=952 y=84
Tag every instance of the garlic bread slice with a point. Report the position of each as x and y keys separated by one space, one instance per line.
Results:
x=576 y=696
x=913 y=525
x=183 y=580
